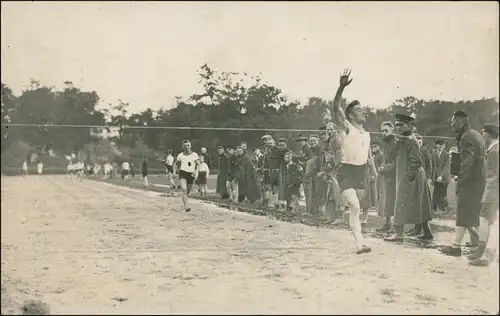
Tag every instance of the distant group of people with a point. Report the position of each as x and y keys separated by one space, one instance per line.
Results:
x=24 y=167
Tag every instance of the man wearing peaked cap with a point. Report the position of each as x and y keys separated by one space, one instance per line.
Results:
x=413 y=202
x=270 y=173
x=460 y=113
x=470 y=182
x=491 y=129
x=267 y=136
x=401 y=117
x=489 y=208
x=282 y=140
x=301 y=139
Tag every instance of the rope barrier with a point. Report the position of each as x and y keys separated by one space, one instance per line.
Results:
x=186 y=128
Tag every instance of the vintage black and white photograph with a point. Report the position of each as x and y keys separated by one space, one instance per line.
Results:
x=255 y=157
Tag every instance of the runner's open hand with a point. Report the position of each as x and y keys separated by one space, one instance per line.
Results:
x=344 y=78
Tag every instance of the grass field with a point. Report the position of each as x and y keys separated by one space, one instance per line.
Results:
x=94 y=247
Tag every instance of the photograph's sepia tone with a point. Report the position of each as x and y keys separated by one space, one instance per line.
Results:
x=250 y=158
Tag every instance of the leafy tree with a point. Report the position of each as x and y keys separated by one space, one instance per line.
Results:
x=229 y=100
x=9 y=104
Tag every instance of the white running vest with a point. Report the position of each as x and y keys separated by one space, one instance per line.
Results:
x=355 y=146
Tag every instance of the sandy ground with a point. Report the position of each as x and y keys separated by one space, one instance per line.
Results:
x=90 y=247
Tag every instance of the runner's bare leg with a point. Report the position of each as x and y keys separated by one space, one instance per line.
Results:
x=352 y=201
x=184 y=188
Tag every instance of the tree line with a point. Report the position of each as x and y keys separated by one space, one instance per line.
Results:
x=229 y=100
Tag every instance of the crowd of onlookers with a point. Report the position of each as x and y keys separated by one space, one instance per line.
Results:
x=463 y=179
x=407 y=185
x=234 y=178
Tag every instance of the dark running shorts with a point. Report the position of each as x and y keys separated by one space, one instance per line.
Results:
x=170 y=169
x=351 y=177
x=145 y=174
x=202 y=178
x=125 y=172
x=186 y=176
x=272 y=177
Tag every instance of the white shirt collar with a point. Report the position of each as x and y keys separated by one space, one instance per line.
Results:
x=493 y=143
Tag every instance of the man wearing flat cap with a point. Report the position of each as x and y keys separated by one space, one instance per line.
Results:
x=310 y=179
x=282 y=150
x=323 y=135
x=223 y=167
x=305 y=152
x=387 y=176
x=246 y=177
x=271 y=174
x=413 y=202
x=331 y=159
x=232 y=187
x=489 y=201
x=470 y=182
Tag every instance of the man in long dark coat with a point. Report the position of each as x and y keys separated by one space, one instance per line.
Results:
x=312 y=169
x=258 y=160
x=387 y=176
x=371 y=198
x=470 y=184
x=321 y=185
x=223 y=166
x=303 y=156
x=282 y=150
x=489 y=210
x=231 y=183
x=293 y=180
x=426 y=158
x=246 y=177
x=413 y=202
x=330 y=161
x=428 y=169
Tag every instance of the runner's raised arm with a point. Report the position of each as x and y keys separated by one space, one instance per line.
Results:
x=338 y=114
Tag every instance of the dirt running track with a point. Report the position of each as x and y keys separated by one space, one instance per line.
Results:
x=89 y=247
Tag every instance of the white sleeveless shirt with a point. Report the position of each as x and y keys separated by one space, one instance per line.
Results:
x=355 y=145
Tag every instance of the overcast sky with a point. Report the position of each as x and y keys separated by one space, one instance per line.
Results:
x=147 y=53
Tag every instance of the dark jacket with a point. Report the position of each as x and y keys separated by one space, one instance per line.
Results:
x=471 y=179
x=427 y=163
x=271 y=159
x=440 y=166
x=472 y=150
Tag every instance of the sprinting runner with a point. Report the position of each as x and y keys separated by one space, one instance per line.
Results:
x=144 y=171
x=187 y=166
x=70 y=169
x=356 y=153
x=39 y=167
x=80 y=169
x=24 y=169
x=169 y=163
x=108 y=170
x=125 y=170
